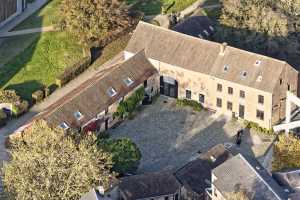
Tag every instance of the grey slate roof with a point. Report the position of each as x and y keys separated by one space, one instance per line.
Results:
x=196 y=175
x=149 y=185
x=204 y=56
x=91 y=97
x=247 y=174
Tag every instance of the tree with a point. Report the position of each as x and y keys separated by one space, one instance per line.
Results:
x=286 y=152
x=93 y=20
x=9 y=96
x=125 y=154
x=241 y=195
x=47 y=163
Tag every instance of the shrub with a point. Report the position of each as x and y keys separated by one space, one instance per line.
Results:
x=38 y=95
x=71 y=72
x=20 y=108
x=125 y=154
x=190 y=103
x=9 y=96
x=129 y=105
x=257 y=128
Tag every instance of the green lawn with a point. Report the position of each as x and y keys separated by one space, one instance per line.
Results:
x=152 y=7
x=47 y=16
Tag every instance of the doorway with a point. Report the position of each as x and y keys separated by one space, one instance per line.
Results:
x=168 y=86
x=242 y=111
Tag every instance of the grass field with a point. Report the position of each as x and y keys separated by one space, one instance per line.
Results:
x=152 y=7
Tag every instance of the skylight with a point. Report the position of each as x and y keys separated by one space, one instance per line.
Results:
x=244 y=74
x=78 y=115
x=111 y=92
x=128 y=81
x=64 y=126
x=257 y=62
x=211 y=28
x=226 y=68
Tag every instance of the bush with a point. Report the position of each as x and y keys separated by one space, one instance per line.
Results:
x=20 y=108
x=257 y=128
x=125 y=154
x=127 y=106
x=38 y=95
x=9 y=96
x=72 y=72
x=190 y=103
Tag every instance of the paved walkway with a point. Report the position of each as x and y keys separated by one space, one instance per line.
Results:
x=27 y=31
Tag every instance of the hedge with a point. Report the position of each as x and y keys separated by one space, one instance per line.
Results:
x=71 y=72
x=190 y=103
x=257 y=128
x=129 y=105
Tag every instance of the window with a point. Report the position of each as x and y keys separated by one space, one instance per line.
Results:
x=229 y=106
x=257 y=62
x=128 y=81
x=145 y=83
x=78 y=115
x=64 y=126
x=242 y=94
x=280 y=81
x=260 y=114
x=200 y=36
x=206 y=33
x=111 y=92
x=188 y=94
x=261 y=99
x=219 y=102
x=219 y=87
x=226 y=68
x=259 y=78
x=211 y=28
x=288 y=87
x=244 y=74
x=166 y=198
x=230 y=90
x=201 y=98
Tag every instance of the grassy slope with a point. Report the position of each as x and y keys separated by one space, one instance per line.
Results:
x=40 y=57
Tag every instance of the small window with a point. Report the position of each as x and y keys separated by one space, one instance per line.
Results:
x=78 y=115
x=219 y=87
x=280 y=81
x=128 y=81
x=64 y=126
x=257 y=62
x=111 y=92
x=230 y=90
x=261 y=99
x=229 y=106
x=260 y=115
x=242 y=94
x=226 y=68
x=288 y=87
x=259 y=78
x=188 y=94
x=244 y=74
x=201 y=98
x=219 y=102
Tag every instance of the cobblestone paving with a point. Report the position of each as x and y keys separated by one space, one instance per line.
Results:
x=169 y=137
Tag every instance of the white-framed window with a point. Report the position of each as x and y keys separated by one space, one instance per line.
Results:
x=78 y=115
x=111 y=92
x=64 y=126
x=257 y=62
x=128 y=81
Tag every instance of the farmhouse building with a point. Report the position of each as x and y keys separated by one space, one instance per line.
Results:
x=222 y=78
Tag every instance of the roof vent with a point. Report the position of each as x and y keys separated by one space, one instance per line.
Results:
x=223 y=48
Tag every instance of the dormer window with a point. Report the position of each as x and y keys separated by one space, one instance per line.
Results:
x=128 y=81
x=78 y=115
x=257 y=62
x=64 y=126
x=259 y=78
x=111 y=92
x=244 y=74
x=226 y=68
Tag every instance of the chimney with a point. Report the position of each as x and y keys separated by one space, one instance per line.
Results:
x=223 y=48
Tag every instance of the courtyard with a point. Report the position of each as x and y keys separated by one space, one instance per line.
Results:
x=169 y=136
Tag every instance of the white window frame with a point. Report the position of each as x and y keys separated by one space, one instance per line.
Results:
x=64 y=126
x=111 y=92
x=128 y=81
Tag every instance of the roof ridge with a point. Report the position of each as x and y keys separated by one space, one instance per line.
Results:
x=208 y=41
